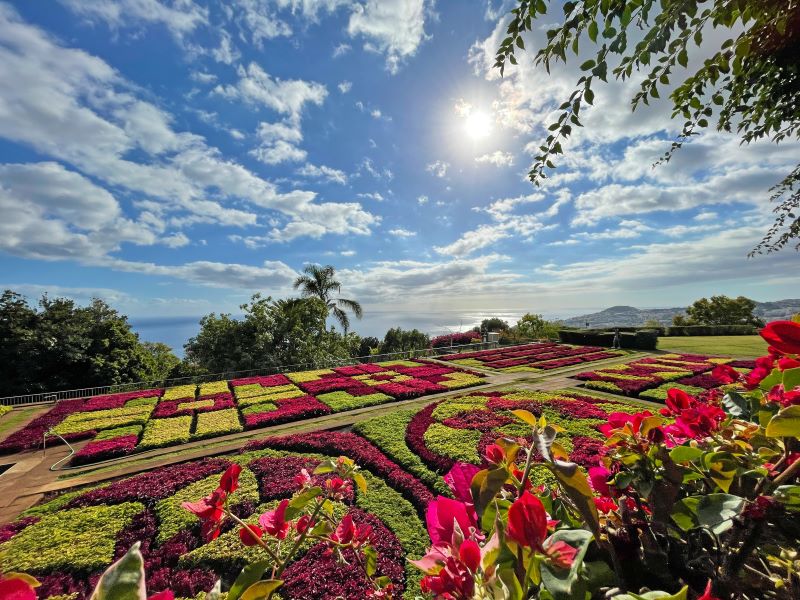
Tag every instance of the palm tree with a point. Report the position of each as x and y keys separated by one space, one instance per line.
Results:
x=319 y=282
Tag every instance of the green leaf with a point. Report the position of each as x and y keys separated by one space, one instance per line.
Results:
x=361 y=483
x=486 y=484
x=589 y=64
x=262 y=589
x=124 y=580
x=683 y=58
x=791 y=379
x=573 y=481
x=249 y=575
x=771 y=380
x=681 y=595
x=681 y=454
x=526 y=416
x=588 y=95
x=372 y=560
x=520 y=43
x=714 y=511
x=789 y=496
x=593 y=31
x=736 y=405
x=786 y=423
x=564 y=584
x=301 y=500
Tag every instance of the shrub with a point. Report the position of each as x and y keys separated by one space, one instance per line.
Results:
x=106 y=449
x=74 y=540
x=213 y=388
x=220 y=422
x=339 y=401
x=165 y=432
x=180 y=392
x=105 y=419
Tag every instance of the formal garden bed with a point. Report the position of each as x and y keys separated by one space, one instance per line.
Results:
x=651 y=378
x=121 y=424
x=403 y=457
x=531 y=358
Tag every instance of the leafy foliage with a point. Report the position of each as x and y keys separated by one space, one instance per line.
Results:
x=319 y=282
x=751 y=84
x=722 y=310
x=59 y=345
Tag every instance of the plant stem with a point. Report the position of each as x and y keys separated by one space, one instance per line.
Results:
x=260 y=541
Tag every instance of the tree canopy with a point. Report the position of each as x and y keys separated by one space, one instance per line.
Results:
x=272 y=333
x=751 y=84
x=319 y=282
x=399 y=340
x=721 y=310
x=493 y=324
x=60 y=345
x=531 y=326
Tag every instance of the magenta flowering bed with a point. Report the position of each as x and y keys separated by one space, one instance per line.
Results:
x=543 y=356
x=117 y=425
x=67 y=541
x=651 y=378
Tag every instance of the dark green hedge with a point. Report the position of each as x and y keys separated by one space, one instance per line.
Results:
x=644 y=339
x=682 y=330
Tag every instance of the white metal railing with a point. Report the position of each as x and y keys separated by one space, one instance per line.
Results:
x=47 y=397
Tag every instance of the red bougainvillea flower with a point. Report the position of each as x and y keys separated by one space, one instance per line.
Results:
x=336 y=487
x=638 y=424
x=560 y=554
x=210 y=511
x=250 y=538
x=598 y=477
x=784 y=336
x=303 y=478
x=494 y=454
x=678 y=401
x=303 y=524
x=470 y=555
x=785 y=363
x=165 y=595
x=764 y=366
x=347 y=533
x=274 y=521
x=18 y=587
x=605 y=505
x=707 y=594
x=758 y=509
x=443 y=515
x=527 y=521
x=458 y=479
x=725 y=374
x=229 y=482
x=454 y=581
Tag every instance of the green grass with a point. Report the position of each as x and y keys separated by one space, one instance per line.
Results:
x=12 y=419
x=748 y=346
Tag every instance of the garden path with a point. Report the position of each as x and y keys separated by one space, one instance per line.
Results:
x=30 y=478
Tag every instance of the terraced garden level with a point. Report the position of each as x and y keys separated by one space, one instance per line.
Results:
x=121 y=424
x=531 y=358
x=403 y=456
x=651 y=378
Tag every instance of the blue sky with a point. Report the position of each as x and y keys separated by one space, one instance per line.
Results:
x=174 y=157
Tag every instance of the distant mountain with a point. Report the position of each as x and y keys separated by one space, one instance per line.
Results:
x=630 y=316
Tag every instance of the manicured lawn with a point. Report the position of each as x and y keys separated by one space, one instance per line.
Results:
x=749 y=346
x=11 y=420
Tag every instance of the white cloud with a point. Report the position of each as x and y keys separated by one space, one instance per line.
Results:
x=367 y=166
x=341 y=50
x=256 y=86
x=348 y=252
x=74 y=108
x=372 y=196
x=180 y=19
x=402 y=233
x=437 y=168
x=226 y=53
x=279 y=143
x=706 y=215
x=394 y=28
x=322 y=172
x=422 y=200
x=497 y=158
x=257 y=18
x=203 y=77
x=236 y=134
x=345 y=86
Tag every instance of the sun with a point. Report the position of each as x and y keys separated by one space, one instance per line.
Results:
x=478 y=125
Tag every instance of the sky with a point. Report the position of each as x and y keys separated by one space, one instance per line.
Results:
x=176 y=156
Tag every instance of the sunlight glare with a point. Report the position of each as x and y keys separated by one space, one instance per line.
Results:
x=478 y=125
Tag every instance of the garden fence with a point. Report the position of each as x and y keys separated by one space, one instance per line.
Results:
x=47 y=397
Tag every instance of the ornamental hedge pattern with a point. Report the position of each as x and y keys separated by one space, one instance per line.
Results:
x=651 y=378
x=531 y=358
x=403 y=456
x=117 y=425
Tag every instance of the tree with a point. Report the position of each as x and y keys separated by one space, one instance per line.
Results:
x=532 y=326
x=398 y=340
x=652 y=324
x=493 y=324
x=319 y=282
x=160 y=361
x=272 y=334
x=60 y=345
x=751 y=84
x=721 y=310
x=368 y=345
